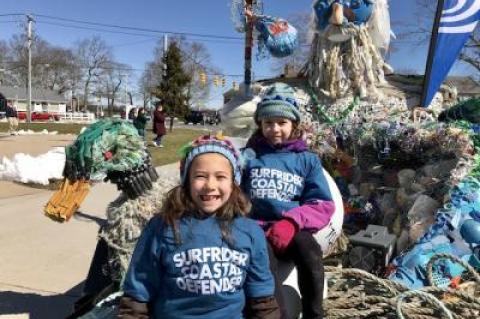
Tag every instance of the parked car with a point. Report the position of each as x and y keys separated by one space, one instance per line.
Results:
x=2 y=115
x=194 y=117
x=39 y=116
x=213 y=118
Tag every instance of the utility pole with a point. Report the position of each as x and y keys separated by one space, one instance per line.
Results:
x=165 y=49
x=126 y=95
x=164 y=74
x=71 y=101
x=248 y=47
x=29 y=46
x=126 y=88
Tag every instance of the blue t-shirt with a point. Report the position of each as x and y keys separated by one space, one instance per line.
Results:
x=277 y=181
x=203 y=277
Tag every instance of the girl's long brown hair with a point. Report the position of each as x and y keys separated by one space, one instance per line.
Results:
x=178 y=203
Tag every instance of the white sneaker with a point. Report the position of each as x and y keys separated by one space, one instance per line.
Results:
x=160 y=145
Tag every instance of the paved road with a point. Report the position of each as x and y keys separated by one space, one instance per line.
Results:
x=43 y=263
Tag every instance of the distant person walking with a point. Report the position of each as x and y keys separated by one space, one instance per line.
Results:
x=159 y=124
x=132 y=114
x=140 y=121
x=12 y=117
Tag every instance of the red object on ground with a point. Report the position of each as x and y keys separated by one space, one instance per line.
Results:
x=39 y=116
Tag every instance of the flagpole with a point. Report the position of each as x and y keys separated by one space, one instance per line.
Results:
x=431 y=51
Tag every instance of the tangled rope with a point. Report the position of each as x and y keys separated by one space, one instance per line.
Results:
x=340 y=68
x=126 y=219
x=354 y=293
x=424 y=296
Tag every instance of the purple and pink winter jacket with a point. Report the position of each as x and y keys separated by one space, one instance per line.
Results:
x=286 y=181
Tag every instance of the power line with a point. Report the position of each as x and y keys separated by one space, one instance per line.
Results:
x=140 y=29
x=12 y=15
x=210 y=70
x=93 y=29
x=128 y=33
x=134 y=42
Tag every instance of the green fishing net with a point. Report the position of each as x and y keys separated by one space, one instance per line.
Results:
x=106 y=145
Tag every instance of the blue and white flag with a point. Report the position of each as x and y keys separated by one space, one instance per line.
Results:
x=459 y=19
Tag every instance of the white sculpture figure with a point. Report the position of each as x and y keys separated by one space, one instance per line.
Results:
x=349 y=38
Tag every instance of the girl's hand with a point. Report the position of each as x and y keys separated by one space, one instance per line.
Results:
x=132 y=309
x=281 y=234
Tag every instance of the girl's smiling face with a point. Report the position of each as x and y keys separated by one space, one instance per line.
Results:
x=211 y=180
x=277 y=130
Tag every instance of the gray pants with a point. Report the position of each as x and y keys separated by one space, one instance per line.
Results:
x=12 y=125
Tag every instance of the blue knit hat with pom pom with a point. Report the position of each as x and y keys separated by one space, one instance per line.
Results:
x=279 y=101
x=210 y=144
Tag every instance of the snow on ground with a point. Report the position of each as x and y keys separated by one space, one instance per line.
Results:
x=25 y=168
x=42 y=132
x=39 y=169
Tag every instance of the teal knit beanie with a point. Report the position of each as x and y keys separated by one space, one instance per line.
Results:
x=279 y=101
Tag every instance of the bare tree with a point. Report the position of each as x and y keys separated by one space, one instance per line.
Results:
x=195 y=59
x=112 y=81
x=93 y=56
x=5 y=74
x=147 y=82
x=152 y=75
x=419 y=30
x=53 y=68
x=18 y=58
x=3 y=50
x=61 y=70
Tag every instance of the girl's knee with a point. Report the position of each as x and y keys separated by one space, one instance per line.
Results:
x=304 y=240
x=305 y=249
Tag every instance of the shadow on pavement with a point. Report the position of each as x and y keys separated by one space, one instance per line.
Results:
x=84 y=216
x=38 y=306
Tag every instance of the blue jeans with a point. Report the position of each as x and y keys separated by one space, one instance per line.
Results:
x=158 y=139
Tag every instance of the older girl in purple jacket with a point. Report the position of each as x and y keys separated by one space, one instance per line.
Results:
x=289 y=193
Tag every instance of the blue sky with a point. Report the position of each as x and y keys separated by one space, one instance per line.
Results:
x=191 y=16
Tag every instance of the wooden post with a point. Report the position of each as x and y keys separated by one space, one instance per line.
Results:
x=248 y=48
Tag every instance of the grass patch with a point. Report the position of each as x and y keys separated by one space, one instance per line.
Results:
x=171 y=142
x=61 y=128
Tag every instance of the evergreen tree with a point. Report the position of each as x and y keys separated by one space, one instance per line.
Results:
x=172 y=90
